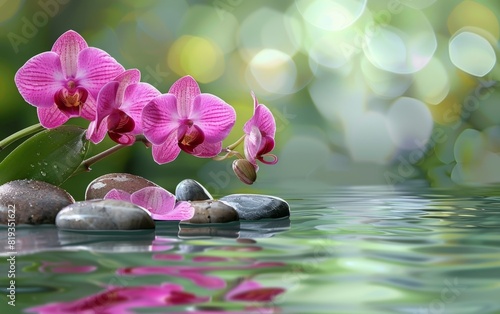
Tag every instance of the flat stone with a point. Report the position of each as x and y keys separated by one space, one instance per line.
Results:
x=104 y=215
x=129 y=183
x=256 y=206
x=31 y=202
x=191 y=190
x=210 y=211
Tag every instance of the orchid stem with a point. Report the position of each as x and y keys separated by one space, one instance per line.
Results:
x=87 y=163
x=92 y=160
x=238 y=142
x=20 y=134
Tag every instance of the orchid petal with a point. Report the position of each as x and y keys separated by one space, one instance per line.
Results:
x=156 y=200
x=181 y=211
x=88 y=110
x=185 y=90
x=39 y=79
x=105 y=106
x=159 y=119
x=96 y=68
x=116 y=194
x=51 y=117
x=68 y=46
x=127 y=78
x=122 y=138
x=273 y=161
x=130 y=76
x=70 y=37
x=136 y=97
x=167 y=151
x=216 y=118
x=265 y=120
x=207 y=150
x=97 y=133
x=262 y=118
x=266 y=145
x=252 y=144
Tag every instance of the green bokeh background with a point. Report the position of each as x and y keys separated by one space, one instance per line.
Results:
x=327 y=69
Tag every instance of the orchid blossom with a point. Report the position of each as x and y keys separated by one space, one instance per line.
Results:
x=259 y=135
x=185 y=119
x=64 y=82
x=156 y=200
x=119 y=107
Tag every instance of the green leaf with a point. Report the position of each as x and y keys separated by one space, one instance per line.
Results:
x=51 y=156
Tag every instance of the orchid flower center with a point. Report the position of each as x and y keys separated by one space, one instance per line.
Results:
x=190 y=135
x=120 y=122
x=71 y=98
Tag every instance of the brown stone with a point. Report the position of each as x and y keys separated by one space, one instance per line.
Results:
x=211 y=211
x=31 y=202
x=104 y=215
x=129 y=183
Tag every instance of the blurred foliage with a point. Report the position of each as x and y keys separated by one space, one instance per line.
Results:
x=364 y=92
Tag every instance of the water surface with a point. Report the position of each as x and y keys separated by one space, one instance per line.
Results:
x=343 y=250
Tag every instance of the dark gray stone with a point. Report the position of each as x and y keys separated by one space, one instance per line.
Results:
x=104 y=215
x=191 y=190
x=210 y=211
x=255 y=206
x=129 y=183
x=31 y=202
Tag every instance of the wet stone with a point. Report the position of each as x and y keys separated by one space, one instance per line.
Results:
x=104 y=215
x=191 y=190
x=31 y=202
x=210 y=211
x=129 y=183
x=256 y=206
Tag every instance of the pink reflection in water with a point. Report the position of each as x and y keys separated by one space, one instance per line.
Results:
x=120 y=300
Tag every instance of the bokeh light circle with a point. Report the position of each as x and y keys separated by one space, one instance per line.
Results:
x=404 y=49
x=432 y=83
x=410 y=123
x=274 y=71
x=196 y=56
x=9 y=8
x=472 y=53
x=332 y=15
x=368 y=140
x=265 y=28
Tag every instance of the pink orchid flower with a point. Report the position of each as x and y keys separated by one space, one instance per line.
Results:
x=260 y=131
x=185 y=119
x=122 y=300
x=119 y=107
x=64 y=82
x=158 y=201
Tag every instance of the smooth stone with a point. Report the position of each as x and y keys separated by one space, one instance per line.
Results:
x=256 y=206
x=104 y=215
x=31 y=202
x=129 y=183
x=191 y=190
x=210 y=211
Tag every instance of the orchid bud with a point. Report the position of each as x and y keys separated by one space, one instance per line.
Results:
x=245 y=171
